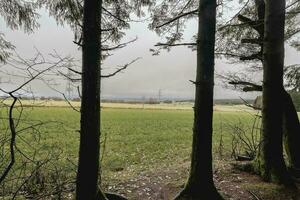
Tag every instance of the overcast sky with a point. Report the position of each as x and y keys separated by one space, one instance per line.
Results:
x=169 y=72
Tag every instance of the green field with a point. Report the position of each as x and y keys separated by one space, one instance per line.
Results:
x=134 y=141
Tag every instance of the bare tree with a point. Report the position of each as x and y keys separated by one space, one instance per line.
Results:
x=20 y=167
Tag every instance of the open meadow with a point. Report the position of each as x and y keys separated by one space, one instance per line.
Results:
x=144 y=153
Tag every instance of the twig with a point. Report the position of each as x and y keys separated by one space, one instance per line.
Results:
x=254 y=195
x=120 y=69
x=177 y=17
x=178 y=44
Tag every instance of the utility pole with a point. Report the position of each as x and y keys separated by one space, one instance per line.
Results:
x=69 y=88
x=159 y=95
x=143 y=99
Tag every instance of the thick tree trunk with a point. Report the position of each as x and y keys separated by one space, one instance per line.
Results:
x=88 y=165
x=290 y=118
x=260 y=9
x=200 y=184
x=291 y=132
x=270 y=163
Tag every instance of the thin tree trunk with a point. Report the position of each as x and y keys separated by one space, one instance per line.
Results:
x=88 y=165
x=270 y=162
x=200 y=184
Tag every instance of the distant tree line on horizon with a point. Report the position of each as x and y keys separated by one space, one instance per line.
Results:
x=256 y=36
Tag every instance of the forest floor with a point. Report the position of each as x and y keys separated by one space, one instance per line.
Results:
x=233 y=184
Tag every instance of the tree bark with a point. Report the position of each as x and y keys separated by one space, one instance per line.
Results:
x=270 y=162
x=88 y=164
x=200 y=184
x=290 y=117
x=291 y=129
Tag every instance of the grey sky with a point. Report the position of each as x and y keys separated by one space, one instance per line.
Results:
x=170 y=72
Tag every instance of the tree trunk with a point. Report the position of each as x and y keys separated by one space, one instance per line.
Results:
x=291 y=132
x=290 y=118
x=200 y=184
x=270 y=162
x=88 y=165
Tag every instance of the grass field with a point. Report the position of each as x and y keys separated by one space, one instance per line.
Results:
x=138 y=145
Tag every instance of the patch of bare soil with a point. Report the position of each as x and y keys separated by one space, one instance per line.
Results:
x=152 y=186
x=164 y=185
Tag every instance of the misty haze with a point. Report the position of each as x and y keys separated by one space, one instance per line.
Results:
x=150 y=100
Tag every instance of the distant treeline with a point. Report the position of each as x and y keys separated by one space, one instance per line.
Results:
x=233 y=101
x=148 y=100
x=295 y=96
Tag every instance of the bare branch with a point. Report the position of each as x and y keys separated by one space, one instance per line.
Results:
x=237 y=14
x=257 y=25
x=251 y=41
x=227 y=54
x=178 y=17
x=248 y=86
x=249 y=104
x=114 y=16
x=255 y=56
x=67 y=100
x=172 y=45
x=12 y=140
x=74 y=15
x=120 y=69
x=293 y=3
x=119 y=46
x=254 y=195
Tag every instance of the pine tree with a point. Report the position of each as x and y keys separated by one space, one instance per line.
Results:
x=17 y=14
